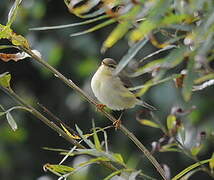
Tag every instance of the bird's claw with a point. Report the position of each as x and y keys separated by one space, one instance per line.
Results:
x=117 y=124
x=100 y=107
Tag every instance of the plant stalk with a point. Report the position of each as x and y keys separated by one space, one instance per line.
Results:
x=125 y=131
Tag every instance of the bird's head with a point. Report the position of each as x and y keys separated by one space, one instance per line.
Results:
x=109 y=64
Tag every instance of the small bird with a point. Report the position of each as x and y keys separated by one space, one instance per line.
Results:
x=112 y=90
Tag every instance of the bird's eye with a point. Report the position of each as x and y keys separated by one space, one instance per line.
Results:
x=111 y=66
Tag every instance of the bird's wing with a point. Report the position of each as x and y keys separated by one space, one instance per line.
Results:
x=127 y=83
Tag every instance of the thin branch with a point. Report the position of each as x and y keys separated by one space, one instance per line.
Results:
x=49 y=123
x=125 y=131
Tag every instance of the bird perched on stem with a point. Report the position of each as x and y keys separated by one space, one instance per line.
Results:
x=113 y=90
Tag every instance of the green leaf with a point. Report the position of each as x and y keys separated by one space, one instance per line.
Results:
x=149 y=67
x=96 y=138
x=171 y=121
x=118 y=157
x=175 y=57
x=116 y=35
x=195 y=150
x=121 y=29
x=204 y=78
x=60 y=169
x=110 y=176
x=153 y=82
x=174 y=18
x=68 y=25
x=190 y=168
x=144 y=29
x=149 y=123
x=11 y=121
x=92 y=161
x=211 y=163
x=13 y=12
x=99 y=26
x=188 y=81
x=5 y=80
x=170 y=148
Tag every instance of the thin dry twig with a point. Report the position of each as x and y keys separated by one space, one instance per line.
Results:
x=125 y=131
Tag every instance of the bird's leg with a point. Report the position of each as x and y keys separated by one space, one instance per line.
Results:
x=100 y=106
x=117 y=123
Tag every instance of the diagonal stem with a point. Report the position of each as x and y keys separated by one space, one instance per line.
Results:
x=49 y=123
x=125 y=131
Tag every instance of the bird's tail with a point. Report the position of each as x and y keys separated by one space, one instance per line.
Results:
x=148 y=106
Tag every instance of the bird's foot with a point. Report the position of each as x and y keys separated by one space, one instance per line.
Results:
x=117 y=124
x=100 y=107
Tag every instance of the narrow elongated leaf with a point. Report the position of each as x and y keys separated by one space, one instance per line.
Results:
x=188 y=81
x=92 y=161
x=128 y=57
x=116 y=35
x=60 y=169
x=13 y=12
x=190 y=168
x=149 y=123
x=169 y=148
x=11 y=121
x=144 y=29
x=99 y=26
x=69 y=25
x=110 y=176
x=175 y=57
x=121 y=29
x=204 y=78
x=96 y=138
x=153 y=83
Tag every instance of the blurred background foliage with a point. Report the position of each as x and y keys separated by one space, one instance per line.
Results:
x=21 y=152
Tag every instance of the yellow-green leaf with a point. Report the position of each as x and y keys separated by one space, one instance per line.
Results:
x=149 y=123
x=190 y=168
x=211 y=163
x=62 y=169
x=204 y=78
x=5 y=80
x=118 y=158
x=144 y=29
x=96 y=139
x=195 y=150
x=121 y=29
x=171 y=121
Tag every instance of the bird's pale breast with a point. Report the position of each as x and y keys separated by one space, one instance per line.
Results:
x=110 y=91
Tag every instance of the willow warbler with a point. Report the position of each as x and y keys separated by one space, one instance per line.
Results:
x=112 y=90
